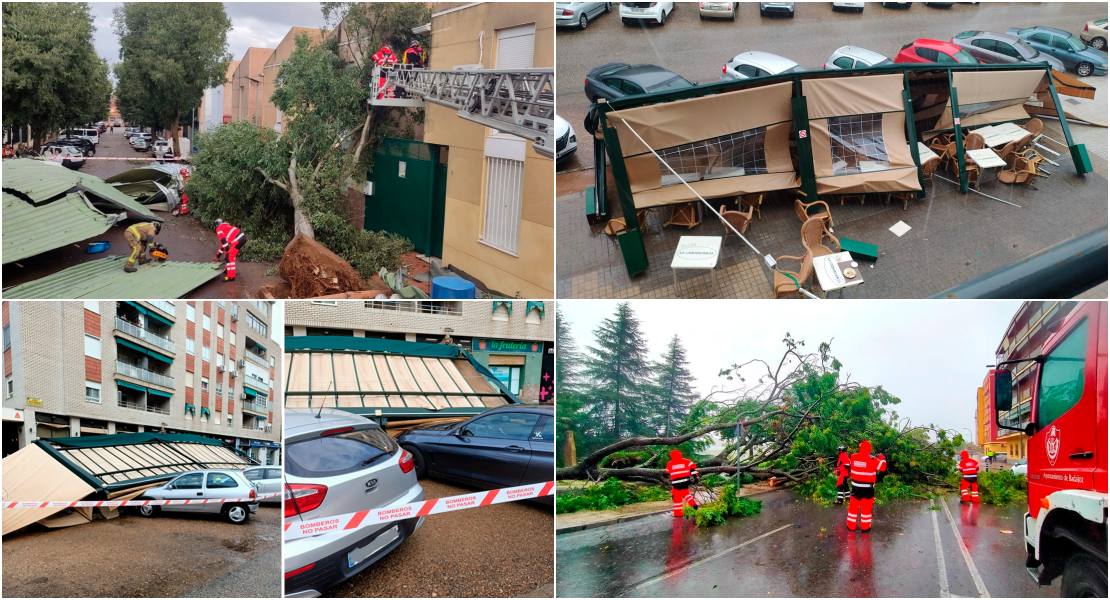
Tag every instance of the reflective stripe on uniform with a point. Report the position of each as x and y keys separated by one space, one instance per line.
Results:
x=866 y=485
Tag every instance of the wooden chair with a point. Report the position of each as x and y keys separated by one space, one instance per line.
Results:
x=755 y=201
x=905 y=197
x=948 y=157
x=783 y=285
x=1035 y=127
x=1006 y=151
x=929 y=167
x=801 y=210
x=813 y=234
x=862 y=198
x=1022 y=172
x=739 y=220
x=684 y=215
x=974 y=141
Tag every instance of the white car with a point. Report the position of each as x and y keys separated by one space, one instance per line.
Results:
x=565 y=143
x=1021 y=467
x=854 y=57
x=858 y=6
x=757 y=64
x=723 y=10
x=649 y=12
x=93 y=135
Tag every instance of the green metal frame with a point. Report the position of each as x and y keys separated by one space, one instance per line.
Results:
x=957 y=134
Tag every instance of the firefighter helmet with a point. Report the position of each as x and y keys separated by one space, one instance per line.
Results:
x=184 y=171
x=218 y=223
x=157 y=227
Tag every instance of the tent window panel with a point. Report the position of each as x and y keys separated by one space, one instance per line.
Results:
x=857 y=146
x=732 y=155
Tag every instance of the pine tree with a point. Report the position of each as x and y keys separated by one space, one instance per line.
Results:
x=568 y=360
x=617 y=371
x=672 y=389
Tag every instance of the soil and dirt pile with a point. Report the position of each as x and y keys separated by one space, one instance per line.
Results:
x=310 y=270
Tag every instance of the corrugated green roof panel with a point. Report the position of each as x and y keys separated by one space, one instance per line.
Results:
x=105 y=279
x=161 y=173
x=31 y=230
x=41 y=182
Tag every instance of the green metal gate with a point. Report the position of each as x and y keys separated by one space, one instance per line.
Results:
x=409 y=190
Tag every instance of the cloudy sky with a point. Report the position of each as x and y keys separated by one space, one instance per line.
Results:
x=254 y=24
x=932 y=355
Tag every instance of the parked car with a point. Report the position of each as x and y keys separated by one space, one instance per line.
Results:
x=266 y=480
x=934 y=51
x=776 y=8
x=565 y=142
x=1065 y=46
x=93 y=135
x=335 y=464
x=854 y=57
x=1094 y=34
x=129 y=131
x=85 y=146
x=503 y=447
x=69 y=157
x=898 y=4
x=1021 y=467
x=757 y=64
x=650 y=12
x=723 y=10
x=613 y=80
x=207 y=484
x=142 y=142
x=1002 y=48
x=856 y=6
x=579 y=14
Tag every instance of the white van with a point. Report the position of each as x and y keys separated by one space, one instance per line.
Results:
x=92 y=135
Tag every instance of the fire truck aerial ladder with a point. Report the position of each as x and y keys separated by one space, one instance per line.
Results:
x=516 y=101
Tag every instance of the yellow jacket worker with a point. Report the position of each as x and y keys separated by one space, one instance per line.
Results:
x=140 y=237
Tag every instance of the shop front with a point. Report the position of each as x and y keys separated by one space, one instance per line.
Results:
x=517 y=364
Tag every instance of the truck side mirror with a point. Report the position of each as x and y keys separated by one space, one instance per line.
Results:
x=1030 y=429
x=1003 y=390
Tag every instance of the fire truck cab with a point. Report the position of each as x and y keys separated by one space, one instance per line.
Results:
x=1065 y=527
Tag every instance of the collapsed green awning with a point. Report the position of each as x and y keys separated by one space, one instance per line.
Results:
x=138 y=388
x=189 y=408
x=537 y=305
x=508 y=304
x=104 y=279
x=144 y=350
x=159 y=393
x=204 y=411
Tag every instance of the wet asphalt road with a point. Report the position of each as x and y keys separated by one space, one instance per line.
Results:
x=698 y=49
x=185 y=238
x=497 y=551
x=180 y=555
x=783 y=552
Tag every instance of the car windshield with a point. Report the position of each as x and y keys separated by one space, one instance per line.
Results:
x=674 y=83
x=1076 y=44
x=338 y=454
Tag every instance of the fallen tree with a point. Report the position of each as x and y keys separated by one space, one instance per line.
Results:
x=792 y=417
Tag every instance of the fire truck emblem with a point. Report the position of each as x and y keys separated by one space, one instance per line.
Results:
x=1052 y=445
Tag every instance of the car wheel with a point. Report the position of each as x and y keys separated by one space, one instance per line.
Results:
x=1084 y=577
x=1084 y=69
x=237 y=514
x=761 y=13
x=583 y=22
x=149 y=511
x=608 y=7
x=662 y=18
x=735 y=9
x=1098 y=44
x=625 y=21
x=701 y=16
x=419 y=460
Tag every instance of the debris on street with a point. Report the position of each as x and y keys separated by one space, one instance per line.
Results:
x=105 y=279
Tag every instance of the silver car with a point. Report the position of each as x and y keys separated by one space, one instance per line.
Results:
x=1003 y=48
x=776 y=8
x=267 y=480
x=854 y=57
x=757 y=64
x=723 y=10
x=338 y=463
x=579 y=14
x=208 y=484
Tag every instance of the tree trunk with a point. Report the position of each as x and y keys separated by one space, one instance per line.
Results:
x=175 y=130
x=301 y=224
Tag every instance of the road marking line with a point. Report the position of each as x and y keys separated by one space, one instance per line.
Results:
x=702 y=560
x=940 y=554
x=983 y=593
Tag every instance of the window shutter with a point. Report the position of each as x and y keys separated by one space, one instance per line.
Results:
x=515 y=46
x=504 y=191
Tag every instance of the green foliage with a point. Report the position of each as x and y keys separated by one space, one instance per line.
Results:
x=1002 y=488
x=713 y=480
x=729 y=505
x=611 y=494
x=624 y=460
x=52 y=75
x=618 y=369
x=671 y=391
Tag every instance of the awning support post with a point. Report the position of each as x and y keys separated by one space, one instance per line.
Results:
x=958 y=135
x=805 y=148
x=631 y=241
x=1078 y=151
x=911 y=131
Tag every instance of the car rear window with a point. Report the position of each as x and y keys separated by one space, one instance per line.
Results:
x=255 y=474
x=220 y=480
x=795 y=69
x=338 y=454
x=674 y=83
x=885 y=61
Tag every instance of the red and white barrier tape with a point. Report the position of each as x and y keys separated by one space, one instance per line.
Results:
x=94 y=503
x=125 y=158
x=365 y=518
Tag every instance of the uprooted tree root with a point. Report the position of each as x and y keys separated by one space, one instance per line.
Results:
x=310 y=270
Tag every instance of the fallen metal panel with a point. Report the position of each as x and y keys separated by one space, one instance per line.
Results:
x=68 y=220
x=162 y=173
x=32 y=474
x=105 y=279
x=41 y=182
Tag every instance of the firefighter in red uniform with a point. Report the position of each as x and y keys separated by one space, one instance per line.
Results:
x=232 y=240
x=969 y=467
x=843 y=487
x=184 y=197
x=382 y=58
x=415 y=55
x=682 y=472
x=864 y=472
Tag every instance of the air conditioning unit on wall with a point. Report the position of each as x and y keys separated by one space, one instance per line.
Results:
x=234 y=317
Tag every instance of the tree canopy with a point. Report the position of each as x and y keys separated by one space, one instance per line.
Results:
x=53 y=77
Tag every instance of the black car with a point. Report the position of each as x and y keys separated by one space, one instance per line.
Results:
x=85 y=146
x=503 y=447
x=613 y=80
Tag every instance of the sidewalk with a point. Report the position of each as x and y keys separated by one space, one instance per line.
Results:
x=589 y=519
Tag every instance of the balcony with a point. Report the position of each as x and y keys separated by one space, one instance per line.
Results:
x=151 y=377
x=255 y=407
x=164 y=306
x=136 y=406
x=261 y=360
x=144 y=335
x=250 y=427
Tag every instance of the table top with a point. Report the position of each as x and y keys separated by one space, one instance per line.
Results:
x=828 y=272
x=1000 y=135
x=925 y=152
x=985 y=158
x=697 y=252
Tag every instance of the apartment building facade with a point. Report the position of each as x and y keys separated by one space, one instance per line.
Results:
x=215 y=104
x=515 y=339
x=93 y=368
x=246 y=85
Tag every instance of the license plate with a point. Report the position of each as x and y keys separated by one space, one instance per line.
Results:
x=637 y=10
x=360 y=554
x=716 y=7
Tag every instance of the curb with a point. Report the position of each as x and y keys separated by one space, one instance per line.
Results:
x=608 y=522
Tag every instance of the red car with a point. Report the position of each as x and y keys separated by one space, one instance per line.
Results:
x=934 y=51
